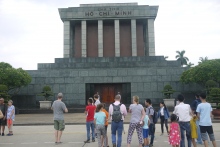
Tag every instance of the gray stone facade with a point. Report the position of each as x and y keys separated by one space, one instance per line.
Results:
x=147 y=76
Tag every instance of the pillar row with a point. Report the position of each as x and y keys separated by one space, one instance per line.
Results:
x=133 y=37
x=117 y=38
x=100 y=38
x=83 y=38
x=66 y=39
x=150 y=38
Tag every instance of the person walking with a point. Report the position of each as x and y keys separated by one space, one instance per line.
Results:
x=106 y=124
x=204 y=111
x=193 y=126
x=174 y=131
x=99 y=120
x=194 y=106
x=136 y=122
x=164 y=115
x=183 y=111
x=150 y=113
x=10 y=117
x=146 y=130
x=97 y=101
x=58 y=108
x=117 y=112
x=3 y=121
x=90 y=112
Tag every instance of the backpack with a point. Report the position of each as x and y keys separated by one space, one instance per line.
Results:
x=197 y=103
x=155 y=118
x=116 y=115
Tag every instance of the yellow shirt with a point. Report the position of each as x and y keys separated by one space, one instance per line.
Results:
x=193 y=126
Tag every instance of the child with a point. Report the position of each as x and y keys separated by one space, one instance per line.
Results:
x=145 y=130
x=106 y=124
x=99 y=120
x=194 y=134
x=174 y=131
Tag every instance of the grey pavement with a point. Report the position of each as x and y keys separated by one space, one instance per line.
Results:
x=47 y=119
x=73 y=136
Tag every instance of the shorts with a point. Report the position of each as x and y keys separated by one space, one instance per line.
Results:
x=3 y=122
x=145 y=133
x=59 y=125
x=207 y=129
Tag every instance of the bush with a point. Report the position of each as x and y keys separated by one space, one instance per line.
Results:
x=168 y=91
x=46 y=92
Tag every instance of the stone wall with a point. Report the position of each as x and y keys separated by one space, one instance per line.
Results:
x=147 y=75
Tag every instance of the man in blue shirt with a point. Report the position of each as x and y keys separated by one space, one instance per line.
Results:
x=204 y=111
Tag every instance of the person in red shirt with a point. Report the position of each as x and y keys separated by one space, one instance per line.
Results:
x=90 y=112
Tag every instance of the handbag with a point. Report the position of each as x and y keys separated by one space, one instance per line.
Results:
x=9 y=122
x=1 y=114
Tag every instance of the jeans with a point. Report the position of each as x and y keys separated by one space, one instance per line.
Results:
x=162 y=121
x=185 y=126
x=199 y=139
x=90 y=124
x=117 y=127
x=151 y=133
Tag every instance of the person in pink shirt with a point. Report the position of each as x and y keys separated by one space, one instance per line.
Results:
x=117 y=113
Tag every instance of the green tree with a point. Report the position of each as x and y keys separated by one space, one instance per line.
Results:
x=46 y=92
x=180 y=57
x=168 y=91
x=13 y=78
x=209 y=70
x=189 y=64
x=203 y=59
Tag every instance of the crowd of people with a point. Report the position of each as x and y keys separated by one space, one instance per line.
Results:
x=190 y=121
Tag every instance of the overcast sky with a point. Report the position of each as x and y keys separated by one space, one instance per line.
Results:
x=31 y=31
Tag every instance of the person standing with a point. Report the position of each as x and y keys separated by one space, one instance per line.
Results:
x=10 y=117
x=97 y=101
x=204 y=111
x=99 y=120
x=137 y=118
x=164 y=115
x=194 y=134
x=117 y=113
x=150 y=113
x=3 y=121
x=58 y=108
x=174 y=131
x=194 y=106
x=106 y=124
x=183 y=111
x=90 y=112
x=146 y=130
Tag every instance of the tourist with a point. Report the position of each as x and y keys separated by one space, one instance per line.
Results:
x=204 y=111
x=146 y=130
x=174 y=131
x=183 y=111
x=58 y=108
x=10 y=117
x=164 y=115
x=117 y=112
x=97 y=101
x=193 y=126
x=90 y=112
x=136 y=122
x=106 y=124
x=194 y=106
x=99 y=120
x=3 y=121
x=150 y=113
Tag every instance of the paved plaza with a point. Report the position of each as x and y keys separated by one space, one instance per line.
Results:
x=73 y=136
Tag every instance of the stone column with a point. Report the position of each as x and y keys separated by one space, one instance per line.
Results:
x=66 y=39
x=133 y=37
x=150 y=37
x=117 y=38
x=83 y=38
x=100 y=38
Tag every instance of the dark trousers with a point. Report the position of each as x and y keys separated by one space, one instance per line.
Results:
x=162 y=121
x=152 y=132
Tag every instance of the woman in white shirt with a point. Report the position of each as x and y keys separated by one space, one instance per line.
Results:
x=164 y=115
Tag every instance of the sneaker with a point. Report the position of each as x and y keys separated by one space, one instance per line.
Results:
x=9 y=134
x=87 y=141
x=93 y=140
x=151 y=145
x=3 y=134
x=114 y=145
x=161 y=134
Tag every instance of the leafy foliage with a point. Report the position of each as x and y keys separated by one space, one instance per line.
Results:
x=4 y=92
x=189 y=64
x=209 y=70
x=214 y=96
x=180 y=57
x=13 y=78
x=46 y=92
x=168 y=91
x=203 y=59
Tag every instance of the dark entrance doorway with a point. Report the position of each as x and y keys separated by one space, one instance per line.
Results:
x=108 y=91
